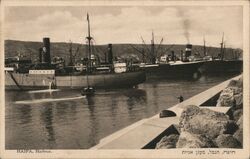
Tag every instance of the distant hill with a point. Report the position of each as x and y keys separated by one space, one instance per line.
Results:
x=13 y=48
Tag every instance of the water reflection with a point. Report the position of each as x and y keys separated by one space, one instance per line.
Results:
x=81 y=123
x=66 y=111
x=72 y=108
x=93 y=119
x=15 y=95
x=136 y=96
x=47 y=119
x=34 y=96
x=24 y=114
x=113 y=111
x=90 y=101
x=155 y=97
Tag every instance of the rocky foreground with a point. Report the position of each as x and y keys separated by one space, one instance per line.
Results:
x=204 y=128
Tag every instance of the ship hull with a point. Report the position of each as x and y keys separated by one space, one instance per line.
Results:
x=16 y=81
x=173 y=71
x=222 y=66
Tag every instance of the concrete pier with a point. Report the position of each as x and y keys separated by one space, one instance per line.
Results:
x=146 y=132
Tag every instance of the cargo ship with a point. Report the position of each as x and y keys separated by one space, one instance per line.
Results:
x=48 y=74
x=170 y=66
x=219 y=64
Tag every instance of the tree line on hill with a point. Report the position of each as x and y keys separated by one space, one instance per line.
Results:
x=123 y=51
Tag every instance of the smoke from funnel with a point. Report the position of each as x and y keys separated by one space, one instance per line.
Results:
x=185 y=23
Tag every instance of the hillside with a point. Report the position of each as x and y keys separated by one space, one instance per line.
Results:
x=13 y=48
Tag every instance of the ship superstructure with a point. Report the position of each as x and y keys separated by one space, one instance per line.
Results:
x=170 y=65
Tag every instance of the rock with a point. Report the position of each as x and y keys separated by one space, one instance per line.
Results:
x=168 y=142
x=232 y=95
x=240 y=122
x=230 y=127
x=227 y=141
x=188 y=140
x=238 y=100
x=237 y=114
x=226 y=98
x=239 y=133
x=236 y=90
x=205 y=121
x=190 y=110
x=236 y=83
x=239 y=136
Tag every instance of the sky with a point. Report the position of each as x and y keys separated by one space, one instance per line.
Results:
x=126 y=24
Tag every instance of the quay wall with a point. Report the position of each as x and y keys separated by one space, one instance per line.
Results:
x=146 y=132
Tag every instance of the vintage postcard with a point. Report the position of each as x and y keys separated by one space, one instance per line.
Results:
x=124 y=79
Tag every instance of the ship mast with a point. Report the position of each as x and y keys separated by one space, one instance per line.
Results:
x=222 y=47
x=89 y=63
x=89 y=38
x=152 y=49
x=70 y=55
x=88 y=90
x=204 y=47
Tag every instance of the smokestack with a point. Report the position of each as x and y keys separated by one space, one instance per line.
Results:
x=46 y=49
x=110 y=54
x=204 y=47
x=172 y=56
x=105 y=57
x=41 y=57
x=188 y=50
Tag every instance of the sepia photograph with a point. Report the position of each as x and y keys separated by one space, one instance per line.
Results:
x=107 y=79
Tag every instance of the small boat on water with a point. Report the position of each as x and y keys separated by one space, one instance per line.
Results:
x=88 y=91
x=47 y=74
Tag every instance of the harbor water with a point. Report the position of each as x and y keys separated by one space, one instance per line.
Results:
x=67 y=120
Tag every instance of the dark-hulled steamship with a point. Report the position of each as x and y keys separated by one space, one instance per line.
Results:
x=172 y=66
x=218 y=65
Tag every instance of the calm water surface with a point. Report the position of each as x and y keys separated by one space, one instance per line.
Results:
x=80 y=123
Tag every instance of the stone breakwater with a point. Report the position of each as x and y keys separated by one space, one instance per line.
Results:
x=204 y=128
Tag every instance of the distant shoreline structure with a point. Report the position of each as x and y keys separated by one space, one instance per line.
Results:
x=29 y=48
